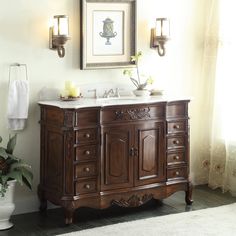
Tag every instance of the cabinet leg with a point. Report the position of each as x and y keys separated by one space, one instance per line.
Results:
x=188 y=194
x=43 y=201
x=69 y=216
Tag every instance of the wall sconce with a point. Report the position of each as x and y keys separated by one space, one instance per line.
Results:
x=59 y=34
x=160 y=35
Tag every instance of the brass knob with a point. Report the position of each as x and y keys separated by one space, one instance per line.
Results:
x=177 y=173
x=176 y=141
x=87 y=186
x=86 y=169
x=176 y=157
x=87 y=152
x=176 y=126
x=87 y=135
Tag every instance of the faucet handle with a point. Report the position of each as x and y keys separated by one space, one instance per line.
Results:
x=95 y=92
x=117 y=92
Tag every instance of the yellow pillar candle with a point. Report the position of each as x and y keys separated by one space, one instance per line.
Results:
x=69 y=85
x=65 y=93
x=75 y=92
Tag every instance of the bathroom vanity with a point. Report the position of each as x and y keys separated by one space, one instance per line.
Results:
x=124 y=152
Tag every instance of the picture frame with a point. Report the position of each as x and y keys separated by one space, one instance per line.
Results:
x=108 y=33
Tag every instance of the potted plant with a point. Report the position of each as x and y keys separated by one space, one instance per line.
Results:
x=141 y=89
x=12 y=170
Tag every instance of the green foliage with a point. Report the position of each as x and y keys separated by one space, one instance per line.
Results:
x=137 y=82
x=13 y=168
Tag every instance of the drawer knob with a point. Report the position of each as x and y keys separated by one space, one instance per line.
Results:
x=87 y=186
x=87 y=135
x=176 y=157
x=87 y=152
x=176 y=141
x=86 y=169
x=176 y=126
x=177 y=173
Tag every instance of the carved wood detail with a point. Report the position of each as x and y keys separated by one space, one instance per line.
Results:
x=133 y=201
x=69 y=118
x=133 y=114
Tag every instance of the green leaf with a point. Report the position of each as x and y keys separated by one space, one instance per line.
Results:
x=3 y=153
x=11 y=144
x=27 y=177
x=11 y=156
x=19 y=165
x=135 y=82
x=0 y=139
x=17 y=175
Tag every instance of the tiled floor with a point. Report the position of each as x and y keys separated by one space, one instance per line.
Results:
x=52 y=223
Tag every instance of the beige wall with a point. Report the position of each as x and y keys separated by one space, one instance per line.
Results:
x=24 y=39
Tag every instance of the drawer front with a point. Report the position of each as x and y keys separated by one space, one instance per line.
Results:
x=133 y=113
x=177 y=109
x=87 y=117
x=86 y=136
x=176 y=158
x=176 y=142
x=89 y=186
x=85 y=170
x=177 y=126
x=85 y=153
x=177 y=173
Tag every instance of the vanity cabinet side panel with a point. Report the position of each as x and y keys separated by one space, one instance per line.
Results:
x=51 y=154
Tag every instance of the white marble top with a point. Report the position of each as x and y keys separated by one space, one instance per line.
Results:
x=102 y=102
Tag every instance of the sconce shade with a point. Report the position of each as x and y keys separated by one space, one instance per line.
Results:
x=160 y=35
x=59 y=34
x=60 y=26
x=162 y=27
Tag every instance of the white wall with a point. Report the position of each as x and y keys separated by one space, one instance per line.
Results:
x=24 y=39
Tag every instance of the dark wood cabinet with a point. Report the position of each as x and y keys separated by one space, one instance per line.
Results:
x=123 y=154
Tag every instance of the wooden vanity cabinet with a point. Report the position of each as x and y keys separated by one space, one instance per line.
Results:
x=123 y=155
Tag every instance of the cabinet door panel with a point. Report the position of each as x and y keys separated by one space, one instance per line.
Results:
x=117 y=164
x=150 y=157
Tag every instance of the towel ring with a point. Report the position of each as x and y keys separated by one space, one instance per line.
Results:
x=17 y=65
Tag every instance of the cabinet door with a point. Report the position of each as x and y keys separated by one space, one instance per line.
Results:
x=117 y=162
x=150 y=163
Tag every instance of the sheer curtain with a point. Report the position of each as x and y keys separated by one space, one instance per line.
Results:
x=221 y=72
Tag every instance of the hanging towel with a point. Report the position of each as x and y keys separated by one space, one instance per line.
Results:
x=18 y=103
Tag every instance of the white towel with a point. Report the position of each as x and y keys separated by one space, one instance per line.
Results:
x=18 y=103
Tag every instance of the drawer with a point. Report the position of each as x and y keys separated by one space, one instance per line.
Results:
x=86 y=136
x=85 y=169
x=177 y=126
x=176 y=158
x=85 y=153
x=177 y=173
x=133 y=113
x=176 y=142
x=89 y=186
x=87 y=117
x=177 y=109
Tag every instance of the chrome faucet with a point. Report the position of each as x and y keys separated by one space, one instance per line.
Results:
x=108 y=94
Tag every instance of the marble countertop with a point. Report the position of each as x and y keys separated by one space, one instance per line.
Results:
x=102 y=102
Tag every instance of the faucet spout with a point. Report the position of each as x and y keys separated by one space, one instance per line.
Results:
x=109 y=93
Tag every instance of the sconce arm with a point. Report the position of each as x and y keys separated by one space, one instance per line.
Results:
x=161 y=50
x=61 y=51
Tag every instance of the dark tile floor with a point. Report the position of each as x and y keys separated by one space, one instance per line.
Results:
x=52 y=223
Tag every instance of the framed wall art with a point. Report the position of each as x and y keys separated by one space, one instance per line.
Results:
x=108 y=33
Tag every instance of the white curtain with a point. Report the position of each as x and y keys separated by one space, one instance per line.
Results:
x=219 y=68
